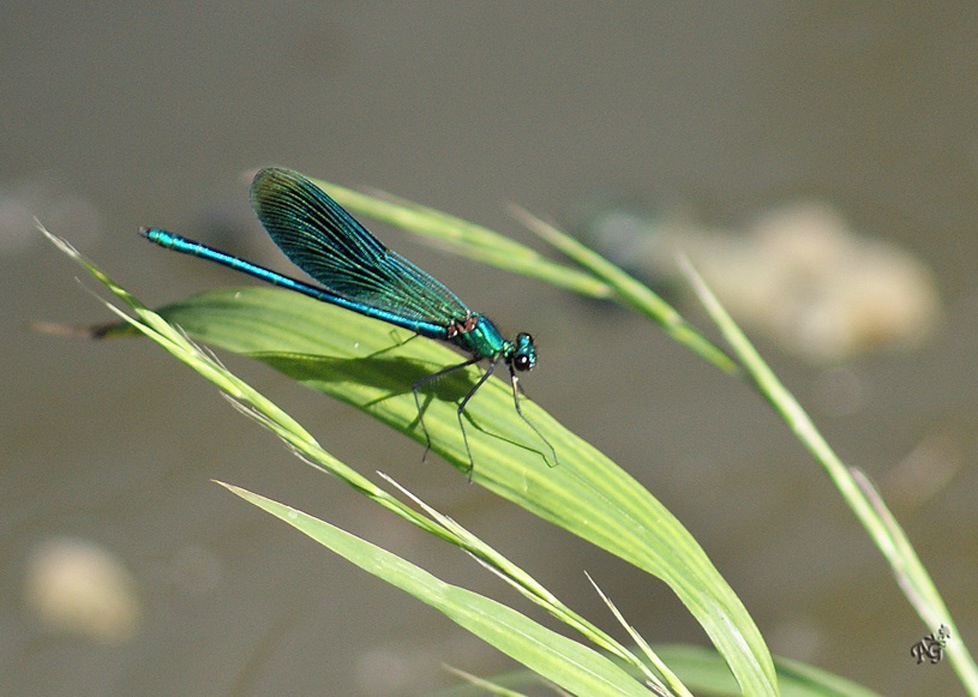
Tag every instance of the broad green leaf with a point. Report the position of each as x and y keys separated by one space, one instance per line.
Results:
x=366 y=363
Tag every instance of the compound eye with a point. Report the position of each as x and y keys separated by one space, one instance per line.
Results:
x=524 y=355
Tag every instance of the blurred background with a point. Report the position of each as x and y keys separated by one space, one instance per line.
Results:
x=748 y=131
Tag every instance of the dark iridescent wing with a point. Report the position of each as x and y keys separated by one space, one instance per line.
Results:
x=322 y=239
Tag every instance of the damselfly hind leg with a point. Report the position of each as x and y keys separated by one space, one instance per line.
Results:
x=461 y=410
x=417 y=403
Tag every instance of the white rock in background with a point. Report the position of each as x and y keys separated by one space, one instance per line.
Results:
x=806 y=281
x=75 y=586
x=799 y=277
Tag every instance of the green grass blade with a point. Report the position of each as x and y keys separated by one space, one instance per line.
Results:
x=857 y=491
x=360 y=361
x=567 y=663
x=631 y=292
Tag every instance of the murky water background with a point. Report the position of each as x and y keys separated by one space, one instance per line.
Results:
x=120 y=116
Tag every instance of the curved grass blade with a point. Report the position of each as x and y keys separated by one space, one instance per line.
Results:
x=856 y=489
x=571 y=665
x=631 y=292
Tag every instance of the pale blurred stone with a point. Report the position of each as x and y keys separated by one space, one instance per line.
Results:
x=798 y=276
x=74 y=586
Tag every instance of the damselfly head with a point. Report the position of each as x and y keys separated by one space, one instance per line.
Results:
x=524 y=355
